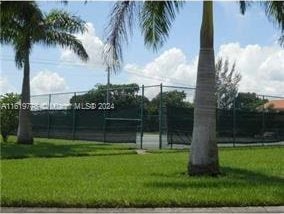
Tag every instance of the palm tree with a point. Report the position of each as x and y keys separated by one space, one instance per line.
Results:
x=24 y=25
x=155 y=19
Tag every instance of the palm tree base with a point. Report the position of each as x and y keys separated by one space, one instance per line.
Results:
x=26 y=141
x=203 y=170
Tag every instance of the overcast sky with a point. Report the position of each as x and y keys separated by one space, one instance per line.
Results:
x=249 y=40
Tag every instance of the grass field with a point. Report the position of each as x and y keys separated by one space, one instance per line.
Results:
x=58 y=173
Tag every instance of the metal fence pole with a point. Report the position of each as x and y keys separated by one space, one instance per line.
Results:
x=74 y=118
x=48 y=118
x=105 y=116
x=263 y=122
x=160 y=116
x=234 y=122
x=142 y=118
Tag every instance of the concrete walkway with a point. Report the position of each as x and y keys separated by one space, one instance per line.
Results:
x=270 y=209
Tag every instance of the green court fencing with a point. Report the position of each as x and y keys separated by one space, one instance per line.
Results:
x=152 y=116
x=239 y=124
x=87 y=115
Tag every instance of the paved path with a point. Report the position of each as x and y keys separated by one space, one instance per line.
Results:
x=274 y=209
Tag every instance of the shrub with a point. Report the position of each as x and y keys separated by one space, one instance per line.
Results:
x=9 y=114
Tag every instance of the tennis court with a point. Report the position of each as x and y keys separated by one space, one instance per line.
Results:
x=154 y=116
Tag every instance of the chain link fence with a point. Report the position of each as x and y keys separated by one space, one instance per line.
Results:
x=156 y=116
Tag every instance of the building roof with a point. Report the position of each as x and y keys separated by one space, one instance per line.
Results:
x=275 y=104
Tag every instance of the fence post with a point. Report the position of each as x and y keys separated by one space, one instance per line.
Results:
x=160 y=116
x=142 y=118
x=48 y=118
x=234 y=122
x=263 y=122
x=74 y=118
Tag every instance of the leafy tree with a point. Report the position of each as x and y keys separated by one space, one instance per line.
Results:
x=248 y=101
x=155 y=20
x=227 y=80
x=23 y=25
x=121 y=95
x=172 y=98
x=9 y=114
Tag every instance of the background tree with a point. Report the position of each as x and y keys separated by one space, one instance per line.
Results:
x=227 y=80
x=155 y=20
x=173 y=98
x=169 y=98
x=9 y=114
x=121 y=95
x=249 y=101
x=24 y=25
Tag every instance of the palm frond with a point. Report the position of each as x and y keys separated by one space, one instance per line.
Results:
x=19 y=59
x=8 y=34
x=23 y=24
x=19 y=10
x=65 y=40
x=156 y=19
x=274 y=10
x=62 y=21
x=117 y=30
x=244 y=5
x=21 y=49
x=15 y=17
x=18 y=23
x=281 y=41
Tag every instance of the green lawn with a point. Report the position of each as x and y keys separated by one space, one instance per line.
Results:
x=84 y=174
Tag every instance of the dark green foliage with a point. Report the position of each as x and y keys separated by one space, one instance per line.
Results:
x=23 y=24
x=172 y=98
x=248 y=101
x=121 y=20
x=121 y=95
x=154 y=18
x=274 y=11
x=9 y=114
x=155 y=21
x=126 y=95
x=227 y=80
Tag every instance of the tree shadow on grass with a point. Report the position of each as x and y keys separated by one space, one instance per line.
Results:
x=48 y=150
x=230 y=178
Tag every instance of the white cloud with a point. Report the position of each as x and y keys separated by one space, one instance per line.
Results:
x=262 y=68
x=6 y=86
x=93 y=45
x=170 y=68
x=47 y=82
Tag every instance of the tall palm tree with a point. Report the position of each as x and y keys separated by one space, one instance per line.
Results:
x=23 y=25
x=155 y=19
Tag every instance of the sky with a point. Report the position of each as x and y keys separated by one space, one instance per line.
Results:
x=249 y=40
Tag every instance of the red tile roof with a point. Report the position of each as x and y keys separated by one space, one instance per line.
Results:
x=275 y=104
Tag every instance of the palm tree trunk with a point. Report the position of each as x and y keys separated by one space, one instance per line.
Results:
x=25 y=127
x=204 y=151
